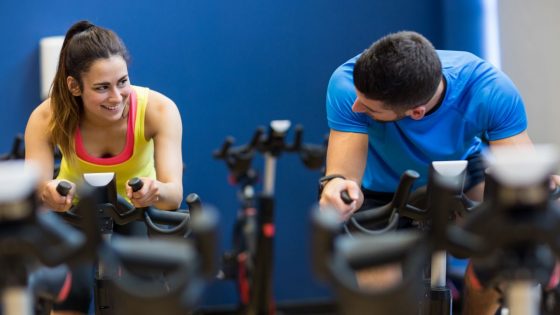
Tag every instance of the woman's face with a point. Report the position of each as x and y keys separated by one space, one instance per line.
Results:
x=106 y=89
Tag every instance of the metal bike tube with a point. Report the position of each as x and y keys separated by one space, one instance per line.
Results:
x=440 y=294
x=261 y=299
x=439 y=269
x=523 y=298
x=16 y=301
x=270 y=174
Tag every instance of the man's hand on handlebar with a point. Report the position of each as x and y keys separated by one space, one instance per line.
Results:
x=332 y=197
x=146 y=196
x=53 y=199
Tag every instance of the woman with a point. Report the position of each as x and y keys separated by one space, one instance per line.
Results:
x=102 y=123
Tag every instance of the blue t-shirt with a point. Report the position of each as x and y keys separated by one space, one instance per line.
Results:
x=480 y=101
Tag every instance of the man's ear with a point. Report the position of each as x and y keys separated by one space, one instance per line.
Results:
x=73 y=86
x=417 y=112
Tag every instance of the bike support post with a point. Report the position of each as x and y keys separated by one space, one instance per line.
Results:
x=440 y=294
x=270 y=174
x=16 y=300
x=451 y=174
x=523 y=297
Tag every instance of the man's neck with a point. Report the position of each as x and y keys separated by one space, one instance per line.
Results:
x=437 y=99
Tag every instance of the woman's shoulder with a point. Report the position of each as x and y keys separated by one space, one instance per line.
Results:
x=158 y=99
x=153 y=98
x=160 y=111
x=38 y=123
x=42 y=113
x=159 y=104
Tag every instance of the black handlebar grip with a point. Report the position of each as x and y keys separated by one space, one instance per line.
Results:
x=298 y=138
x=346 y=197
x=224 y=150
x=63 y=188
x=194 y=203
x=136 y=184
x=401 y=196
x=16 y=152
x=255 y=140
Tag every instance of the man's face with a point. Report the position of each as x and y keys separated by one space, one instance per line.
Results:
x=375 y=109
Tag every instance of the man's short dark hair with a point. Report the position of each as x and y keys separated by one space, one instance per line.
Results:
x=401 y=69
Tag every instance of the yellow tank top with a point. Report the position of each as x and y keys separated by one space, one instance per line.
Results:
x=136 y=160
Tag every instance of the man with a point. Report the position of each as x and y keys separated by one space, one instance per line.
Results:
x=401 y=105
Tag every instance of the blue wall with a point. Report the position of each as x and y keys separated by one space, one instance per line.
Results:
x=463 y=22
x=230 y=66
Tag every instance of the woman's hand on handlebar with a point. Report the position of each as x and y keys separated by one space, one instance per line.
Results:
x=332 y=197
x=52 y=198
x=146 y=196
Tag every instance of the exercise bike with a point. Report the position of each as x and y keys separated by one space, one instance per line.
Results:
x=181 y=267
x=511 y=238
x=250 y=262
x=30 y=238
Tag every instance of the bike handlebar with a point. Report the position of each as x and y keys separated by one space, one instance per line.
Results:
x=388 y=213
x=63 y=188
x=405 y=203
x=123 y=212
x=136 y=184
x=336 y=257
x=238 y=159
x=16 y=152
